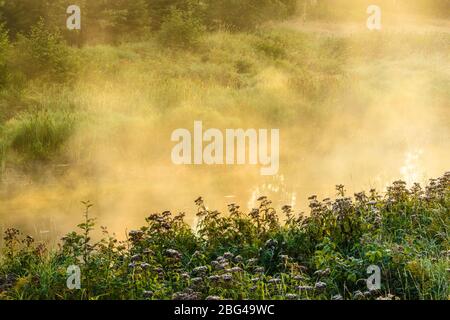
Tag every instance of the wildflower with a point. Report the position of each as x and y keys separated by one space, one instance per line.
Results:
x=199 y=201
x=298 y=277
x=388 y=297
x=337 y=297
x=367 y=294
x=135 y=234
x=255 y=279
x=185 y=276
x=287 y=210
x=29 y=240
x=197 y=280
x=136 y=257
x=254 y=213
x=213 y=298
x=271 y=243
x=372 y=292
x=236 y=270
x=200 y=270
x=228 y=255
x=252 y=261
x=238 y=259
x=171 y=253
x=291 y=296
x=148 y=251
x=224 y=264
x=274 y=281
x=340 y=190
x=304 y=288
x=145 y=265
x=322 y=273
x=214 y=278
x=148 y=294
x=196 y=254
x=358 y=295
x=227 y=277
x=219 y=266
x=259 y=270
x=187 y=294
x=132 y=265
x=302 y=268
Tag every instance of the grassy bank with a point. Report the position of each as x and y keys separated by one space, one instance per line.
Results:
x=273 y=77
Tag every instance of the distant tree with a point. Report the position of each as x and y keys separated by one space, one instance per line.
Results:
x=247 y=14
x=20 y=15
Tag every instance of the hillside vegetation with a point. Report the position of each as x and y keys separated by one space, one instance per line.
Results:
x=89 y=113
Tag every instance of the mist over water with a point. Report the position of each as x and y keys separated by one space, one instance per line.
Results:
x=388 y=121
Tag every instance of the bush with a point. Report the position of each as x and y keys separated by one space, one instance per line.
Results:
x=43 y=53
x=180 y=30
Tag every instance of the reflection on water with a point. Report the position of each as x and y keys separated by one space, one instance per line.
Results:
x=276 y=188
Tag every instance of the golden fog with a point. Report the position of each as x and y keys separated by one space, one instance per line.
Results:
x=387 y=120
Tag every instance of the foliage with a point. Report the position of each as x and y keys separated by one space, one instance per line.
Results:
x=252 y=256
